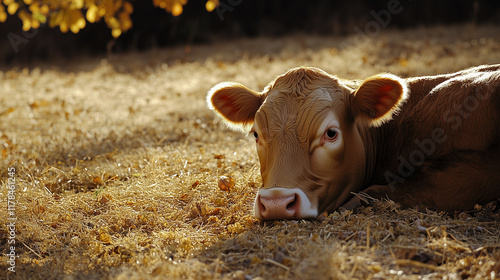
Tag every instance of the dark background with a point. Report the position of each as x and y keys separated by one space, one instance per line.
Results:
x=154 y=27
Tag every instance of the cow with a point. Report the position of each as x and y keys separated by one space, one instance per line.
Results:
x=431 y=141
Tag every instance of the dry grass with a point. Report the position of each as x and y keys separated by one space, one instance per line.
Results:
x=118 y=163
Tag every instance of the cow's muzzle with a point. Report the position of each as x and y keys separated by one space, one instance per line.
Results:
x=282 y=203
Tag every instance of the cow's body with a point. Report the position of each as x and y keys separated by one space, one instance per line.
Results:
x=442 y=149
x=427 y=140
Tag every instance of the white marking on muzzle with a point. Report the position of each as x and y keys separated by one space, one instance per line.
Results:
x=306 y=208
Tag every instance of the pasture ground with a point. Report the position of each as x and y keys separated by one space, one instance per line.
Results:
x=117 y=163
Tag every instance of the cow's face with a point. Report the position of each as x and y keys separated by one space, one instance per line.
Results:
x=307 y=127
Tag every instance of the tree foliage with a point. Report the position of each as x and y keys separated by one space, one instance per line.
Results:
x=73 y=15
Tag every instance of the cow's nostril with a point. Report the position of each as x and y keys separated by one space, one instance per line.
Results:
x=292 y=204
x=262 y=207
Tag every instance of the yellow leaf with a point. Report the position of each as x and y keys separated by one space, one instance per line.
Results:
x=78 y=4
x=12 y=8
x=34 y=8
x=125 y=21
x=210 y=5
x=26 y=24
x=116 y=33
x=101 y=12
x=127 y=7
x=3 y=14
x=80 y=23
x=52 y=21
x=104 y=238
x=44 y=9
x=176 y=9
x=226 y=183
x=162 y=5
x=39 y=17
x=28 y=2
x=56 y=19
x=92 y=13
x=23 y=14
x=35 y=24
x=113 y=23
x=72 y=18
x=63 y=26
x=74 y=28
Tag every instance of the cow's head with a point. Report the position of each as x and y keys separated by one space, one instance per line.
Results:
x=308 y=129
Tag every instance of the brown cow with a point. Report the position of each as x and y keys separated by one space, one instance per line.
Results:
x=429 y=140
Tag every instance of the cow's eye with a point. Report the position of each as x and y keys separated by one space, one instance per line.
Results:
x=331 y=133
x=256 y=135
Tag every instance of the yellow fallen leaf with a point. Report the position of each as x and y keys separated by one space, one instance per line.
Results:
x=226 y=183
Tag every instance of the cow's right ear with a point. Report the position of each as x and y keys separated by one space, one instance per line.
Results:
x=235 y=103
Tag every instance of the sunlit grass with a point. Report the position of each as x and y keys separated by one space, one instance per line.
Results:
x=118 y=164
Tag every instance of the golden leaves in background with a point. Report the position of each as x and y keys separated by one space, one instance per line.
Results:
x=73 y=15
x=172 y=6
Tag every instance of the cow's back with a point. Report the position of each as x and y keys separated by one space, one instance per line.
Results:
x=421 y=86
x=448 y=133
x=461 y=113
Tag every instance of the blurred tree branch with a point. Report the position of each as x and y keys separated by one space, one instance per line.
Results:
x=73 y=15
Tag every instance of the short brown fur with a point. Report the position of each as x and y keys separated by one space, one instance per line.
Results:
x=408 y=140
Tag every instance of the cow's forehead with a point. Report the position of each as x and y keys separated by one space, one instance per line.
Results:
x=302 y=114
x=281 y=102
x=303 y=86
x=299 y=100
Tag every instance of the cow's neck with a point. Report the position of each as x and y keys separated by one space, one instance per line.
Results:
x=370 y=138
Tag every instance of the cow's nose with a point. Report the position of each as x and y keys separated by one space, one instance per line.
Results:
x=279 y=207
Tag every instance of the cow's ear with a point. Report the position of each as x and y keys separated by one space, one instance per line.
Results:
x=235 y=103
x=379 y=97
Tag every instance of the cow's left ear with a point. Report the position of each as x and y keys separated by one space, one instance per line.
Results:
x=378 y=98
x=235 y=103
